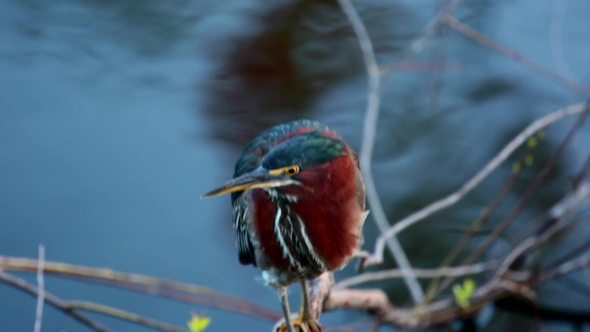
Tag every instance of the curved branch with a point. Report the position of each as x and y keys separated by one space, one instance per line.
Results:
x=560 y=212
x=457 y=271
x=565 y=268
x=456 y=196
x=52 y=300
x=175 y=291
x=71 y=308
x=503 y=283
x=369 y=131
x=478 y=37
x=123 y=315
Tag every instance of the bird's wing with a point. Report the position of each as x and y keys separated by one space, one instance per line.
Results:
x=243 y=241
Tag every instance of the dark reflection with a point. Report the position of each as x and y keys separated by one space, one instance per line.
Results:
x=294 y=53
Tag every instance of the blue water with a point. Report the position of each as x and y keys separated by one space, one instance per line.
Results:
x=115 y=116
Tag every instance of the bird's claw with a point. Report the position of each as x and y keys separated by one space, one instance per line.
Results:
x=300 y=325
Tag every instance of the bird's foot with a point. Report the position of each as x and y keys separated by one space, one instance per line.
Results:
x=300 y=325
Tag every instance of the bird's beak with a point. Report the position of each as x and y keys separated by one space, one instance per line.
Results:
x=257 y=179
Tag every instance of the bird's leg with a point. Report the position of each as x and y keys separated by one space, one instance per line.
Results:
x=305 y=321
x=305 y=313
x=283 y=292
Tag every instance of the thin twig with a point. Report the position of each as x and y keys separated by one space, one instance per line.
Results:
x=456 y=271
x=556 y=213
x=478 y=37
x=489 y=211
x=429 y=67
x=71 y=307
x=418 y=44
x=439 y=53
x=123 y=315
x=456 y=196
x=41 y=289
x=532 y=189
x=52 y=300
x=583 y=174
x=577 y=251
x=565 y=268
x=434 y=288
x=369 y=131
x=560 y=212
x=556 y=38
x=444 y=310
x=175 y=291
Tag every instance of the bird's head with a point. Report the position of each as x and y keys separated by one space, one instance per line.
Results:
x=293 y=154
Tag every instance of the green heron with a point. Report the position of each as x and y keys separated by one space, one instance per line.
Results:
x=298 y=208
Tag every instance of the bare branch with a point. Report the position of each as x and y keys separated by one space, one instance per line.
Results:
x=532 y=188
x=418 y=45
x=556 y=33
x=52 y=300
x=456 y=196
x=554 y=220
x=566 y=268
x=41 y=289
x=367 y=299
x=71 y=308
x=457 y=271
x=561 y=212
x=369 y=132
x=123 y=315
x=486 y=215
x=175 y=291
x=376 y=302
x=476 y=36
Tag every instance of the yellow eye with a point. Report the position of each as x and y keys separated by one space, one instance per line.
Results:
x=289 y=170
x=292 y=170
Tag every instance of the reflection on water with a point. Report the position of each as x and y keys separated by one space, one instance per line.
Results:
x=278 y=71
x=116 y=115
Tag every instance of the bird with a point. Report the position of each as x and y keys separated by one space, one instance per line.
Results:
x=298 y=200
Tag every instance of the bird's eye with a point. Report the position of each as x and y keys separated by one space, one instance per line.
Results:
x=292 y=170
x=289 y=170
